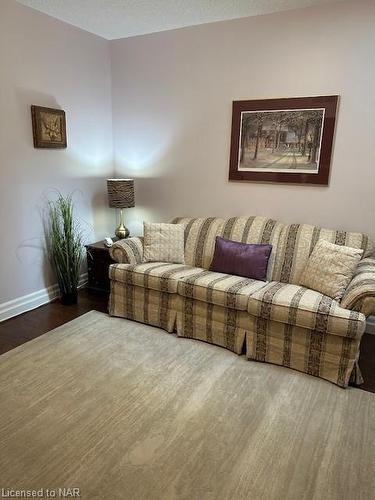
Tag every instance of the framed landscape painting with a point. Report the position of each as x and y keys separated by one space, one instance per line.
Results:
x=283 y=140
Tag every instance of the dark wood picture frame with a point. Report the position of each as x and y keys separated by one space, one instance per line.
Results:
x=285 y=105
x=49 y=127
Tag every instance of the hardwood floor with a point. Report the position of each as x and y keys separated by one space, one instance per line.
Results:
x=367 y=362
x=27 y=326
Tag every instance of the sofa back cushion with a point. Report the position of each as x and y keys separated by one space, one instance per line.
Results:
x=297 y=242
x=200 y=234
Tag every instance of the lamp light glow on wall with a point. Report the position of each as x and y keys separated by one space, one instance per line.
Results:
x=121 y=195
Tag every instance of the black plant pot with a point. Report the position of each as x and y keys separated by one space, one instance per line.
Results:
x=68 y=299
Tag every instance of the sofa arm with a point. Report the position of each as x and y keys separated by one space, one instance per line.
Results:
x=360 y=294
x=127 y=251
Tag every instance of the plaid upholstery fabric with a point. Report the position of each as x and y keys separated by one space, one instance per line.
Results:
x=284 y=324
x=297 y=242
x=127 y=251
x=360 y=294
x=220 y=289
x=143 y=305
x=296 y=305
x=322 y=355
x=331 y=357
x=160 y=276
x=210 y=323
x=200 y=236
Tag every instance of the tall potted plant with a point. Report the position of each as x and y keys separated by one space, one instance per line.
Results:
x=65 y=247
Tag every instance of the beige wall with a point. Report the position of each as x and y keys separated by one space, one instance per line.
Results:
x=171 y=105
x=49 y=63
x=172 y=95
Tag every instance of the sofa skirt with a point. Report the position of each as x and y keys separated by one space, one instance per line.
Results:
x=211 y=323
x=322 y=355
x=144 y=305
x=329 y=357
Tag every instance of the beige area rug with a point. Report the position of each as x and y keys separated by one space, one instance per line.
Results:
x=126 y=411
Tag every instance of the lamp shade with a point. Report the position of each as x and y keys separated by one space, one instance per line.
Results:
x=120 y=193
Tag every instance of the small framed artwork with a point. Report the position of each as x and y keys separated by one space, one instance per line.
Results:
x=283 y=140
x=49 y=127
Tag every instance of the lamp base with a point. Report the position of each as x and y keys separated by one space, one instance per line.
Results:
x=122 y=232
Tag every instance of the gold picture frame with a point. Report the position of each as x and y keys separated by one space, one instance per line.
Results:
x=49 y=127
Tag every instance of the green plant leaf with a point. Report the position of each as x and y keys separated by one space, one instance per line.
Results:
x=64 y=243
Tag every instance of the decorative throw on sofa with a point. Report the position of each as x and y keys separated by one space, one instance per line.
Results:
x=330 y=268
x=163 y=243
x=241 y=259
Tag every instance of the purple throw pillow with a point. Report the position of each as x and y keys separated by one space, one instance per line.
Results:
x=241 y=259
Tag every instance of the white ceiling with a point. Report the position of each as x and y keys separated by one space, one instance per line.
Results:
x=113 y=19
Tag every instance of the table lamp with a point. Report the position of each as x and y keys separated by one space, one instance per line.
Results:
x=121 y=195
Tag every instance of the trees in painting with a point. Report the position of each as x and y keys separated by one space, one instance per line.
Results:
x=281 y=139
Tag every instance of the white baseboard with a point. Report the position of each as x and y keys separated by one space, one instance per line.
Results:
x=33 y=300
x=370 y=325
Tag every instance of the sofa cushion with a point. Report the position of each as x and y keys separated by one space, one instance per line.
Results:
x=163 y=242
x=159 y=276
x=297 y=241
x=200 y=234
x=220 y=289
x=330 y=268
x=299 y=306
x=241 y=259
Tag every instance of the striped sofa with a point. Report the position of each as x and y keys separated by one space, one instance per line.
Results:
x=276 y=321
